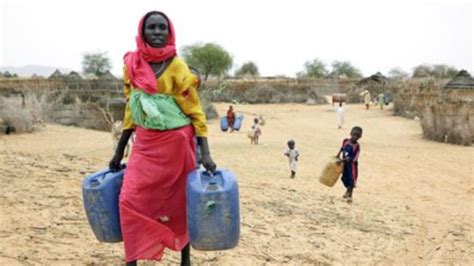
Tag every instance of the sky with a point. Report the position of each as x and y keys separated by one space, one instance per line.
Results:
x=279 y=36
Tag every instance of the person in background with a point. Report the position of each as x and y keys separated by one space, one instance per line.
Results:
x=387 y=98
x=255 y=132
x=367 y=99
x=231 y=118
x=292 y=153
x=381 y=100
x=340 y=114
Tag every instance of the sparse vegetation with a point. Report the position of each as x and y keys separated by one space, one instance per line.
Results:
x=248 y=69
x=210 y=59
x=262 y=92
x=346 y=69
x=20 y=117
x=207 y=106
x=313 y=69
x=96 y=63
x=439 y=71
x=398 y=73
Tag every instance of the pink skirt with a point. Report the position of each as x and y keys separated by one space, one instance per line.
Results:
x=153 y=195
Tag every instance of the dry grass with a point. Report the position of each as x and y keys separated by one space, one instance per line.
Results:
x=207 y=106
x=22 y=117
x=262 y=92
x=449 y=121
x=446 y=115
x=14 y=117
x=414 y=95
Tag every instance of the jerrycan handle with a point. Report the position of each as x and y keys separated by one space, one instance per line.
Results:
x=213 y=183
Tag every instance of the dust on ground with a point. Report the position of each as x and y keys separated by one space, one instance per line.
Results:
x=413 y=204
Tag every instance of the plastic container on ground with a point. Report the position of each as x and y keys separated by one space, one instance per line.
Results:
x=238 y=122
x=224 y=123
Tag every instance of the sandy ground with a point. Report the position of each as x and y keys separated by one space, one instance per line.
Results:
x=413 y=205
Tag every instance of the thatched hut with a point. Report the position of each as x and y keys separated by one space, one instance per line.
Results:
x=377 y=78
x=450 y=118
x=36 y=76
x=463 y=80
x=107 y=76
x=7 y=74
x=73 y=75
x=56 y=74
x=373 y=84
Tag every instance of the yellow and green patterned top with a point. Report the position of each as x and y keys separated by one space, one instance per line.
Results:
x=176 y=81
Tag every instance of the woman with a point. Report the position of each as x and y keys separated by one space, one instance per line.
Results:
x=231 y=118
x=164 y=109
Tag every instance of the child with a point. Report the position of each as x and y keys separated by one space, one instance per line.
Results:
x=340 y=113
x=292 y=153
x=350 y=153
x=254 y=132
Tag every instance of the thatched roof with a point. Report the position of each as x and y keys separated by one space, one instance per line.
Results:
x=107 y=76
x=377 y=77
x=56 y=74
x=74 y=75
x=36 y=76
x=7 y=74
x=462 y=80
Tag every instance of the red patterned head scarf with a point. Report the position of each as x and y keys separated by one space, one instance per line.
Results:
x=138 y=68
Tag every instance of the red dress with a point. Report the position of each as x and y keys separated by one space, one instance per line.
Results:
x=153 y=195
x=230 y=118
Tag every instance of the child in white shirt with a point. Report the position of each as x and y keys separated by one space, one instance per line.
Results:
x=292 y=153
x=340 y=113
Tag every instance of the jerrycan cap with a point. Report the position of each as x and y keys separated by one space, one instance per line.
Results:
x=211 y=206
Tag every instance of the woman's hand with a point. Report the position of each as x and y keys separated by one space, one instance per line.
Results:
x=114 y=164
x=206 y=159
x=208 y=163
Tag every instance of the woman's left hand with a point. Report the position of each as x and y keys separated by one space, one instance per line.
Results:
x=208 y=163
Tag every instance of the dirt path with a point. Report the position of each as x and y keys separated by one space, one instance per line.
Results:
x=413 y=205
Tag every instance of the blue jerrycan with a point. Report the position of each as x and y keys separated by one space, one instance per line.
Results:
x=224 y=123
x=213 y=210
x=238 y=122
x=101 y=192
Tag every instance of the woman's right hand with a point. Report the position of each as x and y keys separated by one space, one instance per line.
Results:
x=114 y=164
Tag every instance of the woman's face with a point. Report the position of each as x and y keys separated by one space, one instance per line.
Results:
x=156 y=31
